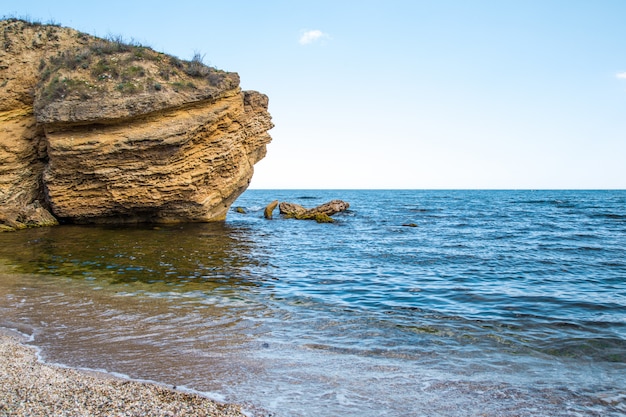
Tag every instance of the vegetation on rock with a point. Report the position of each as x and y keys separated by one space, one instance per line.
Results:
x=97 y=67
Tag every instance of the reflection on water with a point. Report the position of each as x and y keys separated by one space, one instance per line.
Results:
x=211 y=254
x=127 y=299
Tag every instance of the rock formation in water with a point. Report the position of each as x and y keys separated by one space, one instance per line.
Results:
x=268 y=213
x=102 y=131
x=320 y=214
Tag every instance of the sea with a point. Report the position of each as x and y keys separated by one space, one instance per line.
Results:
x=412 y=303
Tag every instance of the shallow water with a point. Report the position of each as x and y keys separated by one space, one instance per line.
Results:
x=498 y=303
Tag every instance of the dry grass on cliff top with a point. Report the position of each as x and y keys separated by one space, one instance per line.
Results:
x=76 y=65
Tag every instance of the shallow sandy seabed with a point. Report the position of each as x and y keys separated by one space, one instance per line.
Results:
x=31 y=388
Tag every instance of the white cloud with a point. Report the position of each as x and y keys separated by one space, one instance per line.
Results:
x=311 y=36
x=621 y=75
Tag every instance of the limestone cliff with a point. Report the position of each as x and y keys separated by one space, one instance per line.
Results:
x=95 y=130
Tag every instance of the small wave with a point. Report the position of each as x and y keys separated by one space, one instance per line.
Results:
x=119 y=375
x=612 y=264
x=244 y=210
x=551 y=202
x=604 y=349
x=535 y=202
x=26 y=333
x=590 y=248
x=610 y=216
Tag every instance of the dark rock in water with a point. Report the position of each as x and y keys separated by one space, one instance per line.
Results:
x=269 y=209
x=330 y=208
x=240 y=210
x=291 y=209
x=32 y=215
x=410 y=225
x=320 y=214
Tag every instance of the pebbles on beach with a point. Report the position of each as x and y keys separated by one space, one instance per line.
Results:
x=30 y=388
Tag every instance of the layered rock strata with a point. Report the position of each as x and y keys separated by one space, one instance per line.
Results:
x=96 y=130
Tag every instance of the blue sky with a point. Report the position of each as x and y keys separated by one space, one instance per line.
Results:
x=405 y=94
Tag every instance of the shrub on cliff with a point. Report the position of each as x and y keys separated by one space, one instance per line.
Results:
x=110 y=66
x=196 y=67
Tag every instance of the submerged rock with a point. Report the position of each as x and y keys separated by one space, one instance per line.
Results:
x=320 y=214
x=269 y=209
x=99 y=131
x=31 y=215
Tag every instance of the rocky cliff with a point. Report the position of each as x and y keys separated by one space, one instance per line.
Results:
x=99 y=131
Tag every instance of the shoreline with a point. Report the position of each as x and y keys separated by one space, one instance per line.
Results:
x=29 y=387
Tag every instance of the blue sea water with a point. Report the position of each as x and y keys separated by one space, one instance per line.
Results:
x=496 y=303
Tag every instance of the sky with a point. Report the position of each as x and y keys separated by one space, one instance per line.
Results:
x=416 y=94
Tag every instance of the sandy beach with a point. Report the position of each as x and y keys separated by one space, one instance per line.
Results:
x=31 y=388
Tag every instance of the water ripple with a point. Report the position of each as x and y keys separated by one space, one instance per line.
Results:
x=497 y=299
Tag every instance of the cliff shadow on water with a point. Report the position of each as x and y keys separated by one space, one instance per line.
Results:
x=203 y=255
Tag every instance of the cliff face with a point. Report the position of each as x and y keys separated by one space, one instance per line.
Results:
x=95 y=130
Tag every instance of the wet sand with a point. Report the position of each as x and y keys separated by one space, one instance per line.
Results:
x=31 y=388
